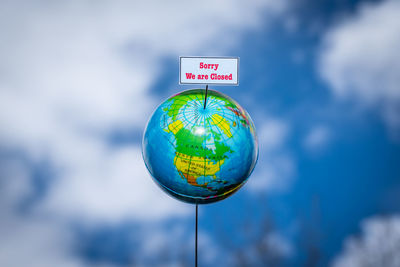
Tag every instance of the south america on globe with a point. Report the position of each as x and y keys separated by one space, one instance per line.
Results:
x=200 y=155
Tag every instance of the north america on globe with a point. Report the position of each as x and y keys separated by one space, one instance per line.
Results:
x=200 y=154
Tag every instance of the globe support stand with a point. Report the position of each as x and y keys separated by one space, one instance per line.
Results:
x=195 y=245
x=197 y=205
x=205 y=97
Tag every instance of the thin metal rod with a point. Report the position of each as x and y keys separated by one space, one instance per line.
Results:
x=195 y=254
x=205 y=98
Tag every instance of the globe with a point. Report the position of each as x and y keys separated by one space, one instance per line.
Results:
x=200 y=154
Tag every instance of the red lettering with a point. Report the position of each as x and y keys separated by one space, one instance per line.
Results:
x=190 y=76
x=215 y=76
x=209 y=66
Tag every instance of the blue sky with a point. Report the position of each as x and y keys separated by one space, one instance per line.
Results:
x=78 y=81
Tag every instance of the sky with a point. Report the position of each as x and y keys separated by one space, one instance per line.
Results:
x=79 y=80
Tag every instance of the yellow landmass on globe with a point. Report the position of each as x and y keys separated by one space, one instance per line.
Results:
x=220 y=122
x=174 y=127
x=192 y=167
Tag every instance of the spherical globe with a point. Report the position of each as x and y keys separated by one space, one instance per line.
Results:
x=196 y=154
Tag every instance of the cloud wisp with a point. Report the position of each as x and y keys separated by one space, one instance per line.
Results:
x=357 y=60
x=275 y=167
x=378 y=245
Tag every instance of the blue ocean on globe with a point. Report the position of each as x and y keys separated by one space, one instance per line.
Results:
x=200 y=155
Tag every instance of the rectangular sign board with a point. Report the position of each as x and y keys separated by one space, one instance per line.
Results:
x=209 y=70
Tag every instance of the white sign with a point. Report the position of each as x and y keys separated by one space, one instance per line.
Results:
x=209 y=70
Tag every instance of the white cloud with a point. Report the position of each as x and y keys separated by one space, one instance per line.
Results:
x=275 y=167
x=378 y=245
x=70 y=73
x=359 y=59
x=272 y=134
x=73 y=71
x=317 y=138
x=120 y=189
x=36 y=244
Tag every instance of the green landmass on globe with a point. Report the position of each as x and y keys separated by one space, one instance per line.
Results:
x=197 y=154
